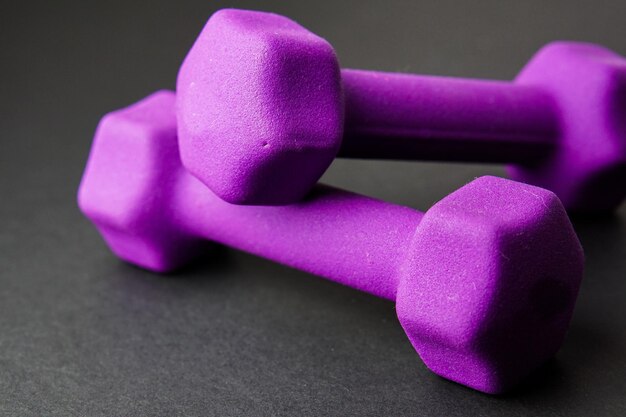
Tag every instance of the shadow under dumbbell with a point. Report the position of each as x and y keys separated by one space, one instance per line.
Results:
x=542 y=382
x=211 y=269
x=216 y=258
x=212 y=259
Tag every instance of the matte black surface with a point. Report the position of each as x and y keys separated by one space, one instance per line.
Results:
x=82 y=334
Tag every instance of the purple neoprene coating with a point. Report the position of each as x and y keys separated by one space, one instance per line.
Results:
x=261 y=115
x=485 y=282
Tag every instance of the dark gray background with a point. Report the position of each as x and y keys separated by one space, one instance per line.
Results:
x=83 y=334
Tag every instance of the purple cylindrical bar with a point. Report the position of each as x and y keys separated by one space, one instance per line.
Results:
x=333 y=233
x=400 y=116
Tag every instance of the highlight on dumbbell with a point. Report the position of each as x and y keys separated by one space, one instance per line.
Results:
x=264 y=110
x=484 y=282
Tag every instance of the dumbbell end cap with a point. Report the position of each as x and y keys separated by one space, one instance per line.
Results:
x=260 y=108
x=128 y=183
x=587 y=168
x=490 y=284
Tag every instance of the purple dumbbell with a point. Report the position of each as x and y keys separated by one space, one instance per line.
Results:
x=485 y=282
x=261 y=115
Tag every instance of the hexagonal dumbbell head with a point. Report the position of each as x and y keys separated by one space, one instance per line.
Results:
x=588 y=166
x=490 y=284
x=259 y=97
x=129 y=181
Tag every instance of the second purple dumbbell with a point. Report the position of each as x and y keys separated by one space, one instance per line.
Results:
x=263 y=109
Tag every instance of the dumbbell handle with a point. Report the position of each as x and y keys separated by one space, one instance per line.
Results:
x=400 y=116
x=351 y=239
